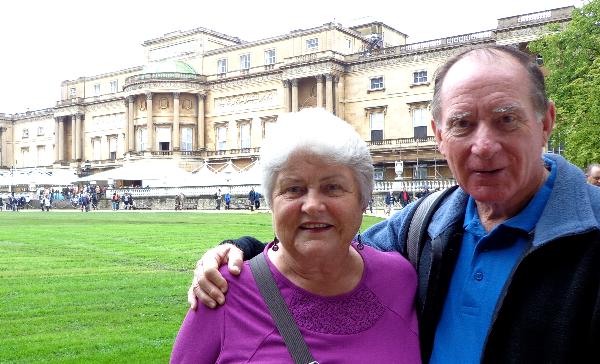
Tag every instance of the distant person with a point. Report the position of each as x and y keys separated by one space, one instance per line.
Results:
x=227 y=200
x=593 y=174
x=251 y=198
x=389 y=202
x=256 y=200
x=218 y=199
x=178 y=202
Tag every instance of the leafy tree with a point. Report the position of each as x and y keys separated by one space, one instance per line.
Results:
x=572 y=60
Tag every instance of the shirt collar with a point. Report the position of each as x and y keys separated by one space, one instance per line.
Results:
x=524 y=220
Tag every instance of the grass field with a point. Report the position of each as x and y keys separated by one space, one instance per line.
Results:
x=104 y=287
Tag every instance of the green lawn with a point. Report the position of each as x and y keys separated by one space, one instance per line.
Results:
x=103 y=287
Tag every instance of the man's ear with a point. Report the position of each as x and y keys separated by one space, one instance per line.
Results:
x=437 y=131
x=548 y=122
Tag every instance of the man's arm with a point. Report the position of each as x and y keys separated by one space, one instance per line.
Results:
x=208 y=285
x=389 y=234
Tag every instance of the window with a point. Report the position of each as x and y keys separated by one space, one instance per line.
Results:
x=114 y=86
x=378 y=173
x=221 y=137
x=420 y=171
x=186 y=139
x=419 y=77
x=312 y=44
x=420 y=118
x=97 y=148
x=40 y=130
x=376 y=121
x=377 y=83
x=97 y=89
x=245 y=61
x=348 y=43
x=222 y=66
x=268 y=122
x=112 y=148
x=244 y=135
x=40 y=157
x=163 y=138
x=72 y=92
x=24 y=156
x=142 y=139
x=269 y=56
x=25 y=134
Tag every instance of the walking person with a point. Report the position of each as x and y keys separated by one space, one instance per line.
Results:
x=251 y=198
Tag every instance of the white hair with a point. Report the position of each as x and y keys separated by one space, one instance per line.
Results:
x=316 y=132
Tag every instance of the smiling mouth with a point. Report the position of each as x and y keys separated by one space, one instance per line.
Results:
x=487 y=172
x=314 y=227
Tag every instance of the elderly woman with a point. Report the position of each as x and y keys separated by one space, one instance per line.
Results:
x=317 y=177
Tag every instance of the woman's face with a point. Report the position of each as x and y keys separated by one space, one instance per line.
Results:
x=316 y=207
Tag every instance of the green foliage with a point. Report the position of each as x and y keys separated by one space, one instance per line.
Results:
x=572 y=59
x=104 y=287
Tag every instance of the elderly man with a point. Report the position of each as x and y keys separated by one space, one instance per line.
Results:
x=510 y=272
x=593 y=174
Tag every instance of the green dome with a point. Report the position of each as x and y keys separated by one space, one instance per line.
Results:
x=169 y=66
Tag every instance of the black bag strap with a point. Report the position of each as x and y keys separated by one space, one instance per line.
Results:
x=419 y=222
x=279 y=311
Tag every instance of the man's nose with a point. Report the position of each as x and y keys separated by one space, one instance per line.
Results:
x=486 y=142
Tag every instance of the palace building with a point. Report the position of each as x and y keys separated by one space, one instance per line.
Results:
x=207 y=97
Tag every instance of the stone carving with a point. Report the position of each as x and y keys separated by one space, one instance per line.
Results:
x=164 y=103
x=186 y=104
x=246 y=101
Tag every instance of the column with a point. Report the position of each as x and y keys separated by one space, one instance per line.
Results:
x=175 y=132
x=329 y=92
x=336 y=98
x=286 y=95
x=56 y=138
x=149 y=123
x=294 y=95
x=78 y=137
x=130 y=126
x=200 y=144
x=73 y=137
x=126 y=127
x=319 y=90
x=61 y=139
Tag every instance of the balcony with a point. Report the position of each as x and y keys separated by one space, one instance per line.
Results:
x=401 y=143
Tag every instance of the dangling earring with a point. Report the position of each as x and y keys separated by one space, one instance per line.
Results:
x=275 y=247
x=359 y=245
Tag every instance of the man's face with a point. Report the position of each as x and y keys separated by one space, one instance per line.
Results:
x=594 y=176
x=489 y=131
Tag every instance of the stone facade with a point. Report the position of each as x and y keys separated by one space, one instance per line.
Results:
x=204 y=96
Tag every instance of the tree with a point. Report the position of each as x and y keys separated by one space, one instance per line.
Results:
x=572 y=60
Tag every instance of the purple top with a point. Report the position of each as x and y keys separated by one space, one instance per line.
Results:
x=375 y=322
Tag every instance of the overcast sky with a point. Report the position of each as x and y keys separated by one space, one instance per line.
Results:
x=43 y=43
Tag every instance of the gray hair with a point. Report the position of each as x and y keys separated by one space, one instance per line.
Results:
x=316 y=132
x=536 y=77
x=590 y=167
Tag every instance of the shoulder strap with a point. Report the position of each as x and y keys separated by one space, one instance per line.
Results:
x=420 y=221
x=279 y=311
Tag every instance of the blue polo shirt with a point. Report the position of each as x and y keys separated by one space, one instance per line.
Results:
x=484 y=264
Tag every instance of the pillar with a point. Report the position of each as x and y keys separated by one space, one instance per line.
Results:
x=78 y=137
x=286 y=95
x=126 y=127
x=294 y=95
x=329 y=92
x=73 y=137
x=175 y=134
x=56 y=138
x=130 y=133
x=200 y=125
x=149 y=123
x=319 y=90
x=61 y=139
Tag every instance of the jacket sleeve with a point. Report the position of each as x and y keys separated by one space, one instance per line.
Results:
x=249 y=245
x=389 y=234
